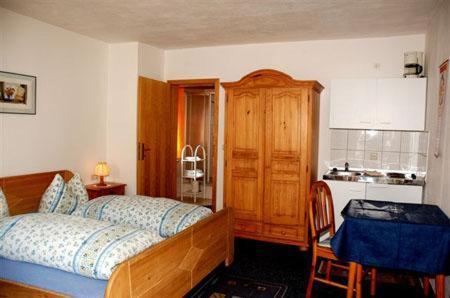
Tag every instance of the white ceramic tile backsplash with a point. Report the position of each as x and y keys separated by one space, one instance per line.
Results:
x=413 y=162
x=374 y=140
x=414 y=142
x=338 y=158
x=376 y=149
x=355 y=158
x=390 y=160
x=339 y=139
x=392 y=141
x=356 y=139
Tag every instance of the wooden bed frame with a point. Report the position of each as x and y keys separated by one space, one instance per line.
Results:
x=168 y=269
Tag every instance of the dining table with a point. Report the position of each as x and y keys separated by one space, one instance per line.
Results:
x=396 y=236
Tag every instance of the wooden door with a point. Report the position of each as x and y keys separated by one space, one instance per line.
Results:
x=244 y=165
x=285 y=155
x=157 y=143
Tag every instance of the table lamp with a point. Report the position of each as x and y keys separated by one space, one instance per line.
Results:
x=101 y=170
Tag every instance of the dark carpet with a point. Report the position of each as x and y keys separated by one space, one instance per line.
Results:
x=276 y=266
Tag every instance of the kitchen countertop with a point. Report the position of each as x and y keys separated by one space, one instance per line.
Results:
x=365 y=177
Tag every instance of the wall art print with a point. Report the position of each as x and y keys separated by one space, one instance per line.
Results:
x=17 y=93
x=443 y=78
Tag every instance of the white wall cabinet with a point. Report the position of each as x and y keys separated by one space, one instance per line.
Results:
x=394 y=193
x=389 y=104
x=352 y=103
x=343 y=192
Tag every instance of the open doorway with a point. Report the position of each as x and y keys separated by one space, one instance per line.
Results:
x=197 y=129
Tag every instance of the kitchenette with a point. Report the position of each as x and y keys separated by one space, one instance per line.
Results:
x=378 y=145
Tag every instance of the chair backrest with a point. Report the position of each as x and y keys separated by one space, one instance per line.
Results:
x=321 y=212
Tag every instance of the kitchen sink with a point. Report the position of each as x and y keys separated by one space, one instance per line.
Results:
x=343 y=175
x=346 y=173
x=374 y=177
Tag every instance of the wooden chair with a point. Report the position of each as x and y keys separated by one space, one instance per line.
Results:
x=321 y=218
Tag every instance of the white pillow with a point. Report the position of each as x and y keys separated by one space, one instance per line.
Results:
x=60 y=197
x=4 y=211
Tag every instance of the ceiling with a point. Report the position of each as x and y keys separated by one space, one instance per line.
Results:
x=195 y=23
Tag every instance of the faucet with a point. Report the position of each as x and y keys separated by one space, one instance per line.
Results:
x=346 y=166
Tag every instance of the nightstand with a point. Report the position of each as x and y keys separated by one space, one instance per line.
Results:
x=111 y=188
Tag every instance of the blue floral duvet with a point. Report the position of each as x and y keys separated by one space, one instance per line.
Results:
x=83 y=246
x=161 y=215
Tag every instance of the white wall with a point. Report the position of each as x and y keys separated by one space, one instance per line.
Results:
x=151 y=62
x=437 y=189
x=122 y=113
x=438 y=49
x=126 y=62
x=86 y=100
x=68 y=131
x=316 y=60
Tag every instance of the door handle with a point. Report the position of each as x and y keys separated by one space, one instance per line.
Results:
x=141 y=151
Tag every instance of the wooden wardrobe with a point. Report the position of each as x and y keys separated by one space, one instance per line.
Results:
x=271 y=141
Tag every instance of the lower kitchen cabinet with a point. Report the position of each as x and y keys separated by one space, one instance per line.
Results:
x=394 y=193
x=343 y=192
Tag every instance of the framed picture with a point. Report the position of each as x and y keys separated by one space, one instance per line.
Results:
x=17 y=93
x=443 y=78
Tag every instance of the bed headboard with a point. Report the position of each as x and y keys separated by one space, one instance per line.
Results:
x=23 y=193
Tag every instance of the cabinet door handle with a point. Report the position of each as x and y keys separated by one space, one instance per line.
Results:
x=379 y=186
x=385 y=122
x=365 y=122
x=355 y=190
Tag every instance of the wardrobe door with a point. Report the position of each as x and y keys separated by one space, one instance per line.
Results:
x=285 y=156
x=244 y=164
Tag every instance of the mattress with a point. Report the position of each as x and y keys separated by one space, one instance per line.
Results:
x=56 y=280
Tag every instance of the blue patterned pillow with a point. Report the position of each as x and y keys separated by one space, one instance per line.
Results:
x=4 y=212
x=76 y=193
x=61 y=197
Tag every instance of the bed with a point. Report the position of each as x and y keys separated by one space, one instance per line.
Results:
x=168 y=269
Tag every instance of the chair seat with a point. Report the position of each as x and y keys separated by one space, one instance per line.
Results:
x=325 y=242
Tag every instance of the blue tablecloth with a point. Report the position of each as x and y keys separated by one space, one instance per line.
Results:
x=391 y=235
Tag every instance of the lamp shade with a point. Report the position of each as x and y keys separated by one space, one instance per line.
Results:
x=101 y=169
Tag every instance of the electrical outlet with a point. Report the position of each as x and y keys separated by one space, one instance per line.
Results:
x=373 y=156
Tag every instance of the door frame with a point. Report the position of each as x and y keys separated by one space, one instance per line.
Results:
x=211 y=83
